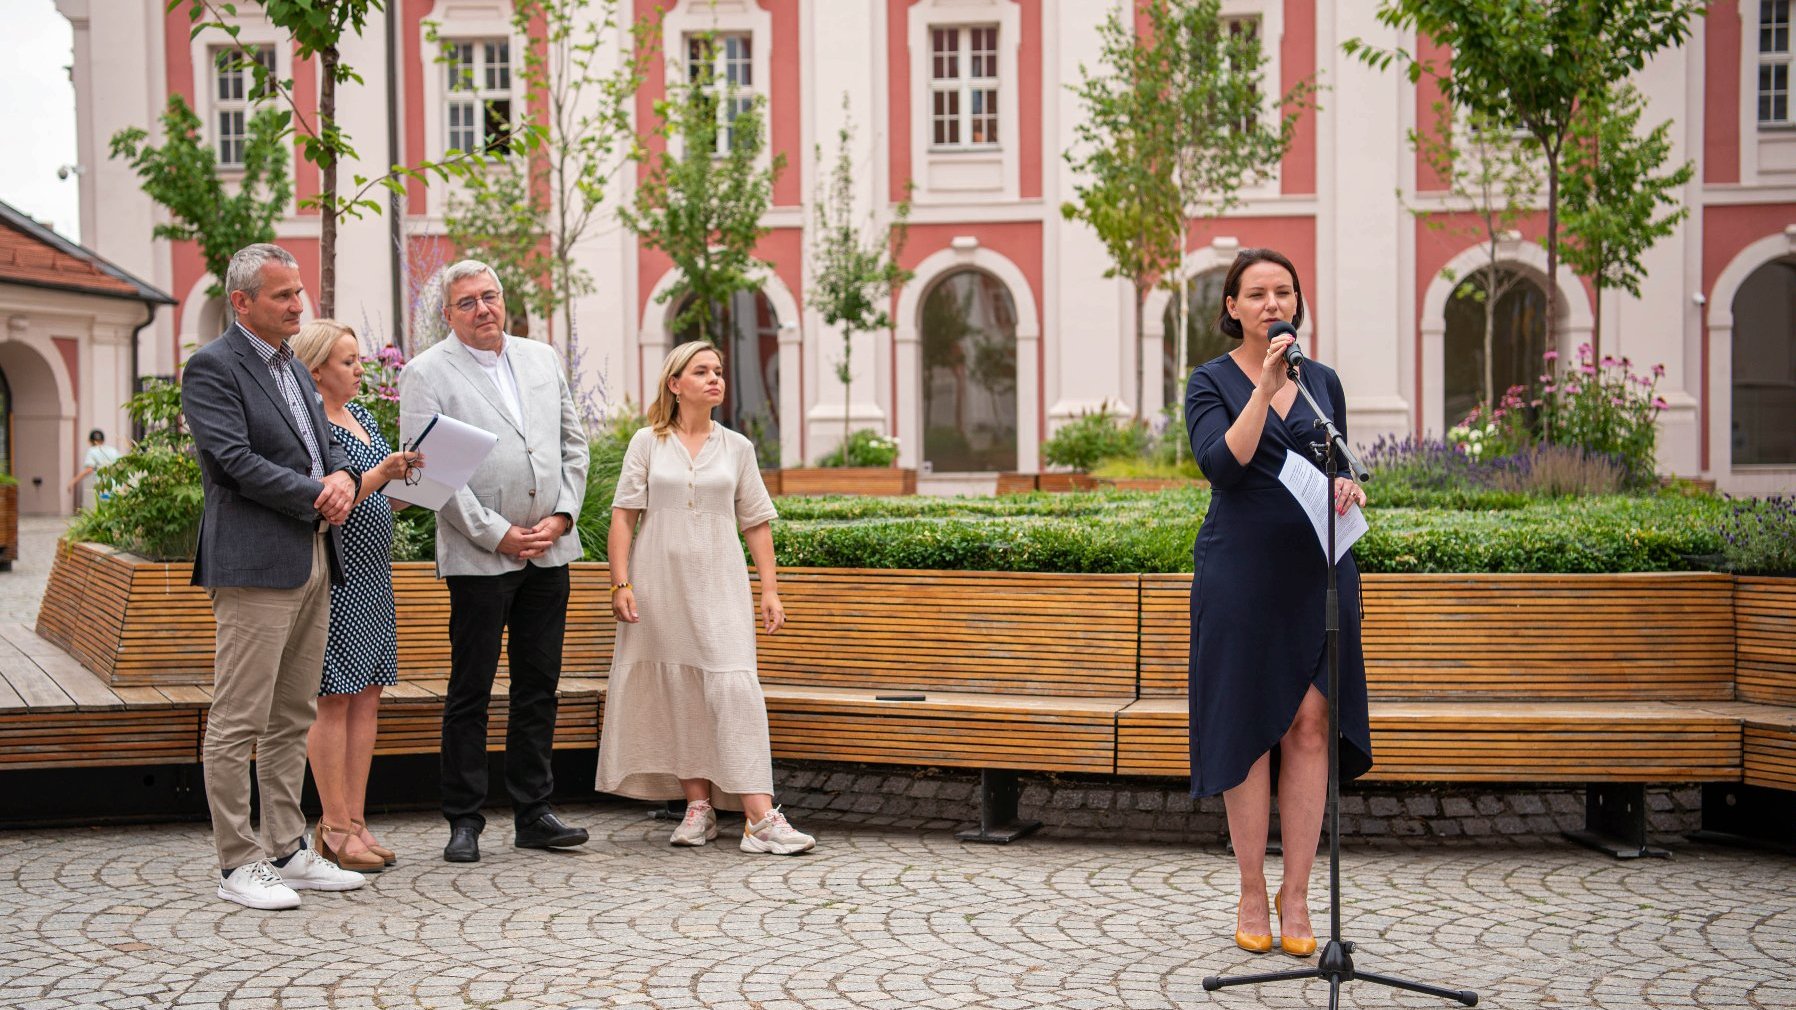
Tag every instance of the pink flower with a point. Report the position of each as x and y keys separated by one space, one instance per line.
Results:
x=1614 y=401
x=1549 y=388
x=1550 y=356
x=1497 y=414
x=1659 y=403
x=1627 y=363
x=1572 y=388
x=1535 y=403
x=1609 y=362
x=1659 y=371
x=1583 y=350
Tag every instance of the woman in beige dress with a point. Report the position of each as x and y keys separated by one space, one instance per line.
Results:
x=684 y=713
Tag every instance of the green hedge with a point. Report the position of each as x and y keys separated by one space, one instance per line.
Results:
x=1153 y=532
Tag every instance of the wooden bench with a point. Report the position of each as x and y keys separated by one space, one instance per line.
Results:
x=1608 y=680
x=1008 y=671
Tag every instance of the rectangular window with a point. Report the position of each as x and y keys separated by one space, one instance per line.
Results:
x=1774 y=62
x=234 y=97
x=478 y=109
x=1239 y=28
x=723 y=68
x=963 y=87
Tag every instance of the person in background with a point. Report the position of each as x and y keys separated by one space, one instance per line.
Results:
x=684 y=712
x=362 y=653
x=99 y=455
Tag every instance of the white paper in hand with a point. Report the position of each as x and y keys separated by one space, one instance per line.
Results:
x=1311 y=487
x=452 y=451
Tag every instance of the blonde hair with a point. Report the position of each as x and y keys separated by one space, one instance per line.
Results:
x=665 y=411
x=313 y=343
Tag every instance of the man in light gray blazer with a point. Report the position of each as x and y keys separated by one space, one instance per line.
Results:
x=276 y=489
x=503 y=546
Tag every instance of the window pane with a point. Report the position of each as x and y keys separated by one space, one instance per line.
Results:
x=1764 y=374
x=498 y=66
x=461 y=66
x=946 y=47
x=696 y=57
x=498 y=125
x=230 y=76
x=969 y=374
x=265 y=57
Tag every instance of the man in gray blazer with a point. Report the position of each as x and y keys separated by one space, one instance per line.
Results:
x=276 y=489
x=503 y=546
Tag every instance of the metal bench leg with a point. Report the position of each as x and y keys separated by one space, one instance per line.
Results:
x=1735 y=814
x=998 y=823
x=1615 y=821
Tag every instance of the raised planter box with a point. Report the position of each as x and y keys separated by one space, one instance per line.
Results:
x=774 y=482
x=9 y=526
x=867 y=480
x=1016 y=483
x=1065 y=482
x=141 y=623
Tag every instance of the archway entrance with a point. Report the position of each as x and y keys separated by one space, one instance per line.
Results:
x=968 y=331
x=1763 y=427
x=37 y=428
x=751 y=368
x=1518 y=341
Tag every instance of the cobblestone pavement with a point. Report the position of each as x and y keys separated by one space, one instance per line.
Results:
x=876 y=917
x=22 y=588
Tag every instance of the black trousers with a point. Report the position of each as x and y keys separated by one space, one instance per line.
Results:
x=532 y=603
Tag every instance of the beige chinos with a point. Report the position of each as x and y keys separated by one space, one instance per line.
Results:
x=265 y=696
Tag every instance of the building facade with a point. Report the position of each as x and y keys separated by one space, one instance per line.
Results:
x=1009 y=327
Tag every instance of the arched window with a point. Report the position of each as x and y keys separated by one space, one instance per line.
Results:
x=1764 y=421
x=751 y=364
x=1518 y=340
x=1203 y=341
x=969 y=374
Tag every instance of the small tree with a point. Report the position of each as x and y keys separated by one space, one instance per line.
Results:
x=1491 y=174
x=701 y=206
x=1616 y=204
x=318 y=27
x=1529 y=64
x=499 y=221
x=182 y=176
x=1125 y=155
x=853 y=272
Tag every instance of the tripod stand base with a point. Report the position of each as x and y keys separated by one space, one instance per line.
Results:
x=1336 y=965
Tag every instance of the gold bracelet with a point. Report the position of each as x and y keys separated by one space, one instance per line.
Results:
x=614 y=589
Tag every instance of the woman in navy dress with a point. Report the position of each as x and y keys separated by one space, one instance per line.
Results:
x=1258 y=663
x=362 y=653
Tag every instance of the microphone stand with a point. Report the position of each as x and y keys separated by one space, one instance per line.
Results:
x=1335 y=962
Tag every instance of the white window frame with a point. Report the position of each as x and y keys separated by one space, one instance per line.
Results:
x=691 y=18
x=1269 y=17
x=232 y=87
x=470 y=88
x=1773 y=60
x=732 y=79
x=253 y=32
x=973 y=78
x=962 y=173
x=460 y=21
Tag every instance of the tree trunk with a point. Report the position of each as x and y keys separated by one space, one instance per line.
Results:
x=1490 y=329
x=1552 y=156
x=327 y=230
x=1596 y=321
x=847 y=388
x=1140 y=347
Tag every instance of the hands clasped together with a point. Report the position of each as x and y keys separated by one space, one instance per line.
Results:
x=339 y=495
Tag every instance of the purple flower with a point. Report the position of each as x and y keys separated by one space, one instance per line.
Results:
x=1587 y=368
x=1609 y=362
x=1659 y=403
x=1659 y=371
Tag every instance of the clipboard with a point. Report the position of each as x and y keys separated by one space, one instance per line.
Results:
x=457 y=451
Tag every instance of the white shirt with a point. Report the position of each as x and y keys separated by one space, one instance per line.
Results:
x=498 y=368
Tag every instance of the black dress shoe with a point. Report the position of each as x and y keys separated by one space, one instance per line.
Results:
x=549 y=832
x=464 y=844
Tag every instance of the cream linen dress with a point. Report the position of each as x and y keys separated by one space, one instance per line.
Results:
x=684 y=701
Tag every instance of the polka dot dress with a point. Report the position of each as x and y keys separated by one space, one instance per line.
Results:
x=363 y=648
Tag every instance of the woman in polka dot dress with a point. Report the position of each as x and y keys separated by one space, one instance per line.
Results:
x=362 y=655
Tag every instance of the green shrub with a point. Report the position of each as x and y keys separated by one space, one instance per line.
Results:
x=1758 y=536
x=1093 y=436
x=1147 y=467
x=154 y=498
x=865 y=447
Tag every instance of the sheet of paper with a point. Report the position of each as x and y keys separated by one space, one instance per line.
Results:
x=1310 y=487
x=452 y=451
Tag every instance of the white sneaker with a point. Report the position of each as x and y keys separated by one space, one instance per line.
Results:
x=309 y=871
x=698 y=827
x=773 y=834
x=257 y=885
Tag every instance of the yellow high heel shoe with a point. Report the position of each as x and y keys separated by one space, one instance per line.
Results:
x=1253 y=943
x=1296 y=946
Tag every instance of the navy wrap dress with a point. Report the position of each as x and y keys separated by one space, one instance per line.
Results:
x=1258 y=587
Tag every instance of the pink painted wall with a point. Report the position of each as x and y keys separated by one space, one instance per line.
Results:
x=1721 y=97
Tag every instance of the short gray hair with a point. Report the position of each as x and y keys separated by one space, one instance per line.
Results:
x=462 y=271
x=245 y=272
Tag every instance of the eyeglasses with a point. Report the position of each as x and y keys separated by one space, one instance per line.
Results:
x=490 y=299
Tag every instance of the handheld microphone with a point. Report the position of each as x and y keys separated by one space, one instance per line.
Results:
x=1293 y=353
